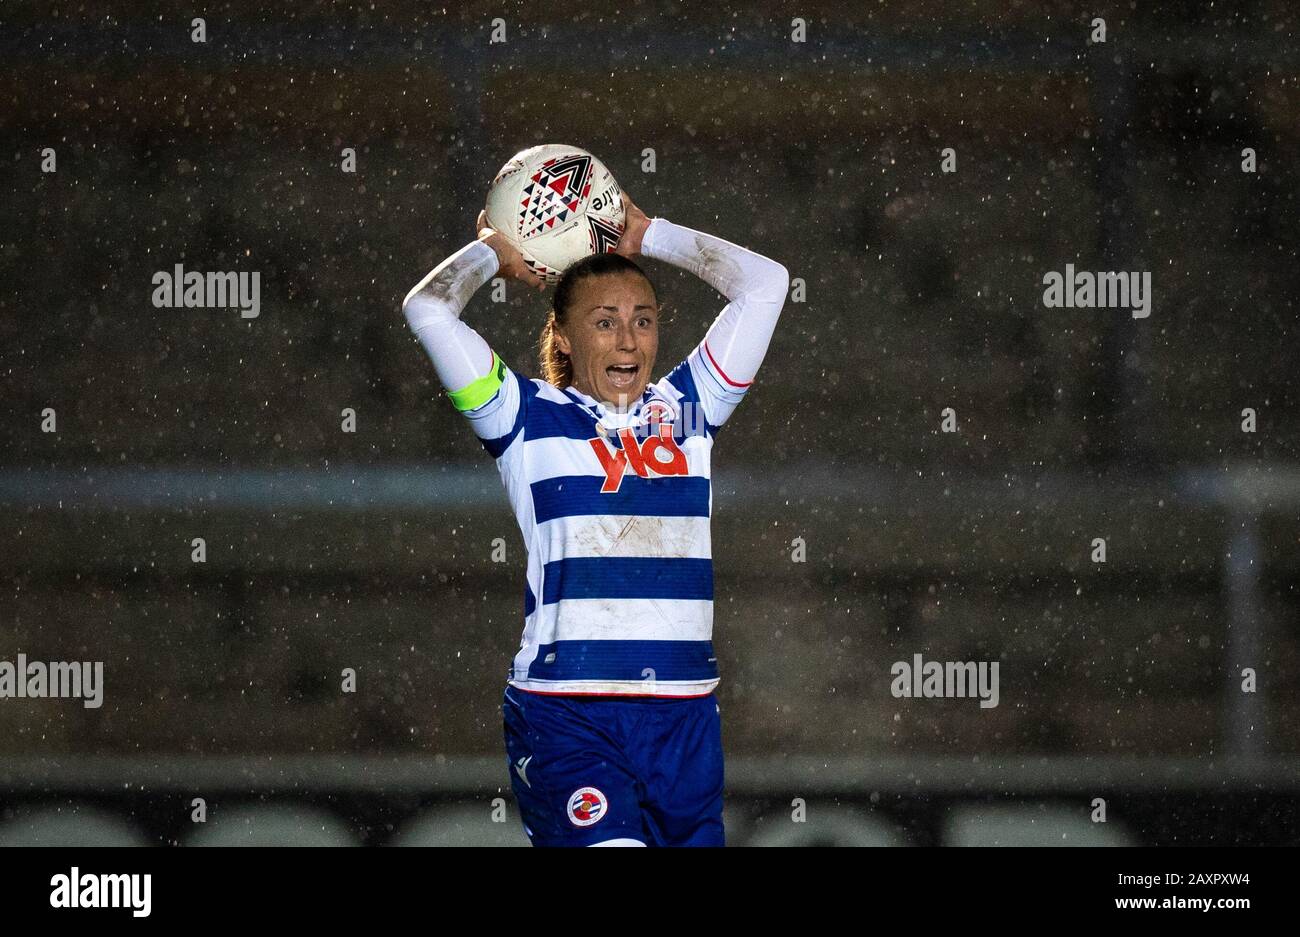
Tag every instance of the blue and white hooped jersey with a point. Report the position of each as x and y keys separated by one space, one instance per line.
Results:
x=614 y=509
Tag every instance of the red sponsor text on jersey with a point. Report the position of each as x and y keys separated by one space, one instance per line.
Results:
x=643 y=457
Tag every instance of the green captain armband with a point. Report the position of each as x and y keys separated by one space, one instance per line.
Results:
x=474 y=395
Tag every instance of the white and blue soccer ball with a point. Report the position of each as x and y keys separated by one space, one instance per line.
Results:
x=556 y=204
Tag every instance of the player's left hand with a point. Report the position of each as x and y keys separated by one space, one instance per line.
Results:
x=510 y=261
x=636 y=222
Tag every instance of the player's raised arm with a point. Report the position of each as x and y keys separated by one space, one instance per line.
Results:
x=728 y=358
x=466 y=365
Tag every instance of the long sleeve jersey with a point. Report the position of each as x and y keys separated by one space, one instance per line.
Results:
x=613 y=506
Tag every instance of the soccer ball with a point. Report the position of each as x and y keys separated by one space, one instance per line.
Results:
x=557 y=205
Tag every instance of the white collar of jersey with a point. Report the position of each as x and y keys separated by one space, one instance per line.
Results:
x=605 y=415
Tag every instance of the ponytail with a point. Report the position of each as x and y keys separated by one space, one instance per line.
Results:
x=557 y=368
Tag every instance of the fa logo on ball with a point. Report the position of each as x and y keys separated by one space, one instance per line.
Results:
x=586 y=806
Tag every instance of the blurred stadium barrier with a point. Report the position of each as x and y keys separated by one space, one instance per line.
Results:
x=67 y=825
x=1030 y=825
x=772 y=801
x=311 y=572
x=279 y=825
x=1230 y=530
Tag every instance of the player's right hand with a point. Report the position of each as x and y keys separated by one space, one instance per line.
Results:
x=510 y=261
x=629 y=245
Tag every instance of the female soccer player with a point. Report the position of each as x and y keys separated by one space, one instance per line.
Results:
x=612 y=731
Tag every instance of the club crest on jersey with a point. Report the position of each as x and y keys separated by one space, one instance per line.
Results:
x=655 y=455
x=586 y=806
x=657 y=411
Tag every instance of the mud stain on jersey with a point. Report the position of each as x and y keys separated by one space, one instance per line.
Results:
x=646 y=536
x=631 y=521
x=717 y=261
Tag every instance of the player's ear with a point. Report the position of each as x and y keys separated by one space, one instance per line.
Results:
x=562 y=342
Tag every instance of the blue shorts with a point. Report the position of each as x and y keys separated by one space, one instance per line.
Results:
x=586 y=770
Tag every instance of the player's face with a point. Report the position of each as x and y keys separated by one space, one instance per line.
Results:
x=611 y=334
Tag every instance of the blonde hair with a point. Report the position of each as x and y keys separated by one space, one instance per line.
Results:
x=557 y=367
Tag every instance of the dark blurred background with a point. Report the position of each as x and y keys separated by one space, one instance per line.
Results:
x=373 y=550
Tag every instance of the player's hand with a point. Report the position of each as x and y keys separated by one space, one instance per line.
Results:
x=510 y=261
x=636 y=222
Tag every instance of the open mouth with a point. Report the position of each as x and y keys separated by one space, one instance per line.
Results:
x=622 y=375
